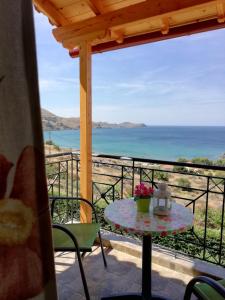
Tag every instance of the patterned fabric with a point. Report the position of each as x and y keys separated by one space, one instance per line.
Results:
x=26 y=253
x=122 y=214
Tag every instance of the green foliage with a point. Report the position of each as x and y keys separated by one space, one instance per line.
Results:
x=219 y=181
x=51 y=168
x=57 y=147
x=184 y=183
x=202 y=161
x=198 y=160
x=181 y=169
x=214 y=221
x=49 y=142
x=220 y=162
x=101 y=204
x=219 y=174
x=214 y=217
x=182 y=160
x=162 y=176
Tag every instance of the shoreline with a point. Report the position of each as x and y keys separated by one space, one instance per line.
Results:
x=203 y=161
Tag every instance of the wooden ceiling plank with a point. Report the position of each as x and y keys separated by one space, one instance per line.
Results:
x=114 y=5
x=96 y=6
x=136 y=12
x=51 y=12
x=81 y=17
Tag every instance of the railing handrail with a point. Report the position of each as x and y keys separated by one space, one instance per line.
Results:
x=145 y=160
x=58 y=154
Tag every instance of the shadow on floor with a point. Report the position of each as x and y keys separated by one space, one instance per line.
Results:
x=122 y=275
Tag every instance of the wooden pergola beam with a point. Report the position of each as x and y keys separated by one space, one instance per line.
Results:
x=95 y=6
x=70 y=35
x=154 y=37
x=51 y=12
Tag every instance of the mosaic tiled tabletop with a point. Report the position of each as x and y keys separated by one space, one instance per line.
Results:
x=122 y=214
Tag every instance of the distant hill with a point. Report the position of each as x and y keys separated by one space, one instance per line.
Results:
x=53 y=122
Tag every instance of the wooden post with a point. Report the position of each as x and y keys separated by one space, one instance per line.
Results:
x=85 y=131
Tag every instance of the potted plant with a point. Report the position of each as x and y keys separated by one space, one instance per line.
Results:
x=143 y=195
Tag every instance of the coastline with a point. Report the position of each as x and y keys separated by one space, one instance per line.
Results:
x=220 y=161
x=159 y=142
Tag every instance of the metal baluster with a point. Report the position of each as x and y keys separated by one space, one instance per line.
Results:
x=72 y=175
x=206 y=217
x=59 y=178
x=222 y=225
x=133 y=175
x=67 y=179
x=122 y=177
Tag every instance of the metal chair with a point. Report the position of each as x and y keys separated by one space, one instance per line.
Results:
x=77 y=250
x=205 y=288
x=69 y=235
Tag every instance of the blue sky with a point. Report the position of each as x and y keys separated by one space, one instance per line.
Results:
x=175 y=82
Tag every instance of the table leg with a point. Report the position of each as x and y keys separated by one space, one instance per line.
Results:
x=147 y=267
x=147 y=270
x=146 y=276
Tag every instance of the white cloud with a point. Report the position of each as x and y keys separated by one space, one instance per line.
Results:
x=102 y=87
x=57 y=84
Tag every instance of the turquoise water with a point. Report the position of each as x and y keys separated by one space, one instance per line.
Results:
x=155 y=142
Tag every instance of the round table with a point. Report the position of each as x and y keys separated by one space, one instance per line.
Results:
x=123 y=215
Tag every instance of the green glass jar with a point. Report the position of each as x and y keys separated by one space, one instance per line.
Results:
x=143 y=204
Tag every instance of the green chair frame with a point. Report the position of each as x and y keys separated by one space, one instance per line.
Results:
x=77 y=250
x=205 y=288
x=69 y=232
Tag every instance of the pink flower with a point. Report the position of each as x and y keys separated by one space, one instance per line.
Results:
x=164 y=233
x=142 y=190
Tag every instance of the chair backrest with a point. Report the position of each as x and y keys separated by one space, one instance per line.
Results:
x=66 y=210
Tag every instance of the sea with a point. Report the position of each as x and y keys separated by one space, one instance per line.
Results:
x=153 y=142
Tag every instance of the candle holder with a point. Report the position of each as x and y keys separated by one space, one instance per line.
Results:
x=162 y=200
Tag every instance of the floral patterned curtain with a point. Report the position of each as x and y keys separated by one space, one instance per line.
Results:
x=26 y=254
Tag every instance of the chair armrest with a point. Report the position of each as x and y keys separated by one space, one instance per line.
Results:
x=203 y=279
x=54 y=199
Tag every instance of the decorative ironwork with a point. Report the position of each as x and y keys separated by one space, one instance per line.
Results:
x=196 y=186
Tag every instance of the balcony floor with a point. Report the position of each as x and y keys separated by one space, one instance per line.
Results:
x=122 y=275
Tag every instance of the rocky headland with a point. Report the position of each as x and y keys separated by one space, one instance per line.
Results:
x=54 y=122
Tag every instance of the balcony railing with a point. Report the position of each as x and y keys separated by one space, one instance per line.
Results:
x=200 y=188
